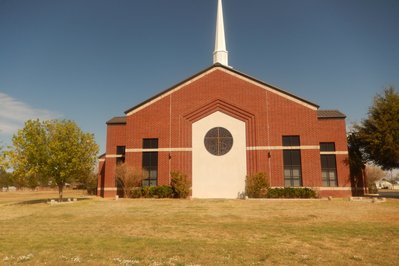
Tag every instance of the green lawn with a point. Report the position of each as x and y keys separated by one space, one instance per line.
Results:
x=95 y=231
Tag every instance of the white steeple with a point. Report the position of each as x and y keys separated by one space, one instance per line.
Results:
x=220 y=55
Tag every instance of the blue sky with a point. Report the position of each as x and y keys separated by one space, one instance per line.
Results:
x=90 y=60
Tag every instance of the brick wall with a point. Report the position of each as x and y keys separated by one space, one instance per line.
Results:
x=268 y=116
x=116 y=136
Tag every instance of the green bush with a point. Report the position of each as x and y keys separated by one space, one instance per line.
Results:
x=180 y=185
x=136 y=192
x=145 y=192
x=161 y=192
x=288 y=192
x=152 y=192
x=256 y=185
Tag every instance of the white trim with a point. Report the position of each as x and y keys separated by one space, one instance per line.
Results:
x=333 y=188
x=158 y=150
x=291 y=98
x=108 y=189
x=101 y=160
x=113 y=156
x=271 y=148
x=252 y=148
x=286 y=96
x=304 y=147
x=334 y=152
x=325 y=188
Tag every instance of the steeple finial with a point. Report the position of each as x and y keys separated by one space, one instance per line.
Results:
x=220 y=55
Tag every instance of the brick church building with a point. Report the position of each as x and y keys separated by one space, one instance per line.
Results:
x=221 y=125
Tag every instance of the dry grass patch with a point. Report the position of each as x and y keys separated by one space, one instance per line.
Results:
x=197 y=232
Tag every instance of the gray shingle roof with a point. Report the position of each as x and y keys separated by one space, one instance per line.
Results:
x=330 y=114
x=118 y=120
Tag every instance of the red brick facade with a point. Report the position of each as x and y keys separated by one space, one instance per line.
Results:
x=268 y=113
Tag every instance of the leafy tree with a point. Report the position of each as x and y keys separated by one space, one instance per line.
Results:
x=18 y=181
x=127 y=178
x=56 y=150
x=3 y=162
x=5 y=179
x=379 y=132
x=71 y=152
x=89 y=182
x=28 y=153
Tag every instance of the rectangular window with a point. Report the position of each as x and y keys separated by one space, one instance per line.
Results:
x=328 y=165
x=327 y=146
x=120 y=152
x=150 y=163
x=292 y=162
x=150 y=143
x=291 y=141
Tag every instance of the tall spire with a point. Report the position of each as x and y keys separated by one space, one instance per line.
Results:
x=220 y=55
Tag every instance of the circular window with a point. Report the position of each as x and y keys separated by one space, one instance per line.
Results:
x=218 y=141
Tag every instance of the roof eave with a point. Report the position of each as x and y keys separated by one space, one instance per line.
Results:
x=170 y=88
x=118 y=120
x=332 y=117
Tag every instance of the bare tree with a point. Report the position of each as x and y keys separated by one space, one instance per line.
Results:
x=127 y=178
x=373 y=174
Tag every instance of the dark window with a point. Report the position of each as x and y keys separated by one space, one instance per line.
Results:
x=328 y=170
x=292 y=168
x=327 y=146
x=291 y=141
x=292 y=162
x=150 y=143
x=218 y=141
x=150 y=163
x=120 y=151
x=328 y=165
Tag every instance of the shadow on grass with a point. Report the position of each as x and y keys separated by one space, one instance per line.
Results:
x=392 y=194
x=48 y=200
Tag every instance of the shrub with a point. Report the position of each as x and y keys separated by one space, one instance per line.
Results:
x=127 y=178
x=302 y=193
x=89 y=182
x=180 y=185
x=161 y=192
x=256 y=185
x=136 y=192
x=145 y=192
x=152 y=192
